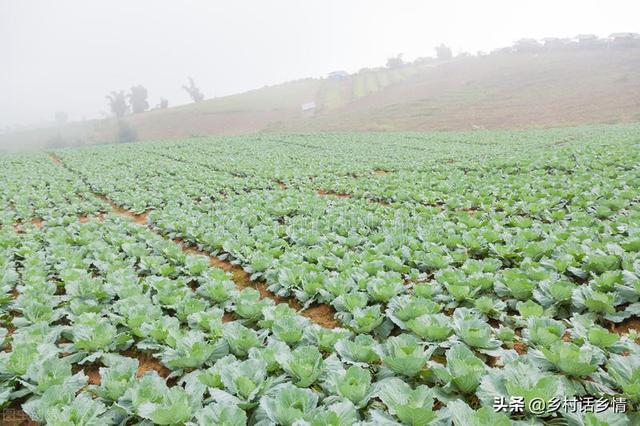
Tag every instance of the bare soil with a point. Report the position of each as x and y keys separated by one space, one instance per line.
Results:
x=520 y=348
x=92 y=371
x=323 y=315
x=54 y=157
x=324 y=192
x=625 y=326
x=140 y=219
x=14 y=416
x=146 y=363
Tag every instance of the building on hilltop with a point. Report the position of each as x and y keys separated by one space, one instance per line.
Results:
x=308 y=108
x=625 y=39
x=338 y=75
x=555 y=43
x=527 y=45
x=589 y=41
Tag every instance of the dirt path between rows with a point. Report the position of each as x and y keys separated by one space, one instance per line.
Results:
x=323 y=315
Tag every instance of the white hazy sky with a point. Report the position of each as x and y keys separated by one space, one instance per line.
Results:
x=68 y=54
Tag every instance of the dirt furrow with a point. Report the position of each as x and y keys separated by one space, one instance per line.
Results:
x=322 y=315
x=324 y=192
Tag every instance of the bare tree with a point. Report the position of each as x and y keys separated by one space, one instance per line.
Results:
x=193 y=91
x=443 y=51
x=118 y=103
x=138 y=99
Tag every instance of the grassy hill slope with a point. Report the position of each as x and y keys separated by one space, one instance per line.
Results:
x=496 y=91
x=500 y=91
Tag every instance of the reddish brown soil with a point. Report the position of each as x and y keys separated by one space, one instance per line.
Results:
x=625 y=326
x=91 y=370
x=83 y=218
x=54 y=157
x=492 y=361
x=10 y=330
x=14 y=416
x=147 y=363
x=140 y=219
x=213 y=261
x=322 y=315
x=37 y=222
x=228 y=317
x=520 y=347
x=494 y=323
x=324 y=192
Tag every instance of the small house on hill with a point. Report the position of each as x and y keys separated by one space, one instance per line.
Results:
x=625 y=39
x=555 y=43
x=624 y=36
x=588 y=41
x=527 y=45
x=583 y=38
x=338 y=75
x=308 y=108
x=501 y=50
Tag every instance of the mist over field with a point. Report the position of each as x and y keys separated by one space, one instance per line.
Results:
x=62 y=58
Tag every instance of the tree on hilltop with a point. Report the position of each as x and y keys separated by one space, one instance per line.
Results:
x=138 y=99
x=118 y=103
x=395 y=62
x=193 y=91
x=443 y=51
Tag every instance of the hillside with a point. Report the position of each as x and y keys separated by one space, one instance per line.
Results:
x=496 y=91
x=500 y=91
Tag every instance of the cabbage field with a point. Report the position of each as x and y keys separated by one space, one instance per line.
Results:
x=478 y=278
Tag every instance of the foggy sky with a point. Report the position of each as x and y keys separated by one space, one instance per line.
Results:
x=68 y=54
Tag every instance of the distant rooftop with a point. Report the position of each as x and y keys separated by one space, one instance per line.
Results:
x=338 y=75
